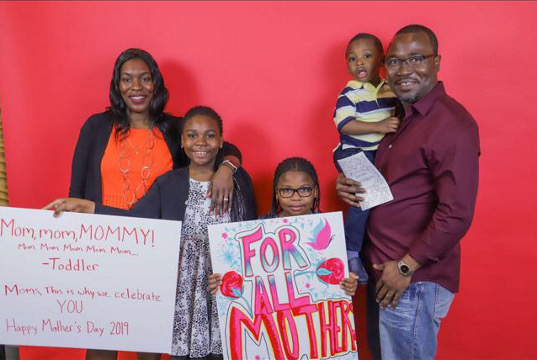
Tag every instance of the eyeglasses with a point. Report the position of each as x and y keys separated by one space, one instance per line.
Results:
x=413 y=61
x=304 y=191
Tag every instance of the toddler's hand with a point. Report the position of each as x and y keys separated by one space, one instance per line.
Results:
x=215 y=280
x=389 y=125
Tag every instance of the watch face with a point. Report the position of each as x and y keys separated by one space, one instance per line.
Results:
x=405 y=269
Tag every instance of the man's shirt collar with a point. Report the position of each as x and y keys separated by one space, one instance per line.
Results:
x=424 y=104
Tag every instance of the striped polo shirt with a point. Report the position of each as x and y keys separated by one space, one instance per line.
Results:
x=364 y=102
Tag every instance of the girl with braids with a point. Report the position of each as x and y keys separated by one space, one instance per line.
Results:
x=180 y=195
x=295 y=192
x=295 y=189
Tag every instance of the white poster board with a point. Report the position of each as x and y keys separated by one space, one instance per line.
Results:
x=87 y=281
x=280 y=296
x=359 y=168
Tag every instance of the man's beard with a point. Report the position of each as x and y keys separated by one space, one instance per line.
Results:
x=410 y=99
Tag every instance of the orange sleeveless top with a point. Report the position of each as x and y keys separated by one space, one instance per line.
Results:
x=130 y=166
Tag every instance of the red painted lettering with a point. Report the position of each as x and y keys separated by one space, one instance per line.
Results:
x=237 y=319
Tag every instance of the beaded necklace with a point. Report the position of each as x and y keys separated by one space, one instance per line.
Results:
x=130 y=195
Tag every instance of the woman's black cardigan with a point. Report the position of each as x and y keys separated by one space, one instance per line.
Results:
x=92 y=141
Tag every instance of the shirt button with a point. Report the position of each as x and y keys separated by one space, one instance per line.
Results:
x=389 y=147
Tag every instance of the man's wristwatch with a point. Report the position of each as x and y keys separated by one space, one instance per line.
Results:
x=404 y=269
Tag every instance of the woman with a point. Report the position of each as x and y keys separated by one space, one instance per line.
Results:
x=121 y=152
x=179 y=195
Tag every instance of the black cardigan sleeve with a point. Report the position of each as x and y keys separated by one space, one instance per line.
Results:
x=231 y=150
x=246 y=187
x=81 y=159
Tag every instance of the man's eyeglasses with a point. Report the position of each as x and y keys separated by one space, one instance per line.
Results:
x=304 y=191
x=413 y=61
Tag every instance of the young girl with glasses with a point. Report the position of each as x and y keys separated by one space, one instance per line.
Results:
x=296 y=192
x=295 y=189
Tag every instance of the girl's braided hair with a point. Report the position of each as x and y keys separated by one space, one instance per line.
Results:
x=294 y=164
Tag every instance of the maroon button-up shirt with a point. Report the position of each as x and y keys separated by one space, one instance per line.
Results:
x=431 y=165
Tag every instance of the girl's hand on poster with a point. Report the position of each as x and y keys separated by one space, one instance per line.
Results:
x=71 y=204
x=350 y=284
x=215 y=280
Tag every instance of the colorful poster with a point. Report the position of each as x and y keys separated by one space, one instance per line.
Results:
x=280 y=296
x=87 y=281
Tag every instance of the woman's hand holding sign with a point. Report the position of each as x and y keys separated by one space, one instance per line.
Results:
x=71 y=204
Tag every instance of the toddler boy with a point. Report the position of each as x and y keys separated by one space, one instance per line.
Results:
x=363 y=115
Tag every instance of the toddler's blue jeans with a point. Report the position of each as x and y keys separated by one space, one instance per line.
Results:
x=355 y=221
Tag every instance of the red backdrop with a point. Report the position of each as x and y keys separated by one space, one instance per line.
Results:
x=273 y=71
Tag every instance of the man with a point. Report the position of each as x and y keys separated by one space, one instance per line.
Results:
x=431 y=165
